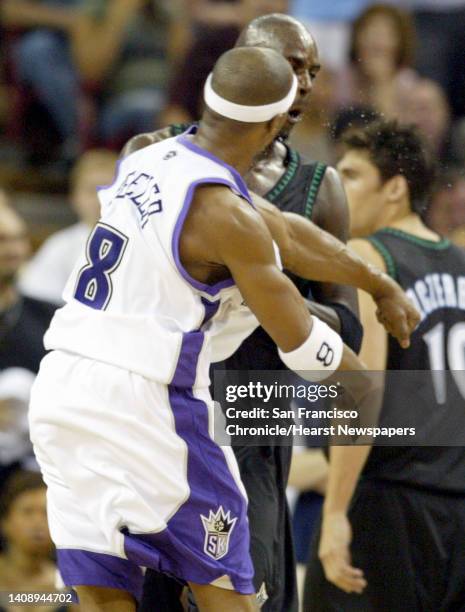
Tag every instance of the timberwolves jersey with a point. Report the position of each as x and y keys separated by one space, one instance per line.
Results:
x=129 y=301
x=433 y=276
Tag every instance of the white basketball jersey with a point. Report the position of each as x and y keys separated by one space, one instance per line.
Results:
x=129 y=301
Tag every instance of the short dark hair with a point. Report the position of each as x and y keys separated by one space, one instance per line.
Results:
x=21 y=481
x=397 y=150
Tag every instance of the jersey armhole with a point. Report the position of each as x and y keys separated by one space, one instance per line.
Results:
x=313 y=189
x=388 y=259
x=211 y=290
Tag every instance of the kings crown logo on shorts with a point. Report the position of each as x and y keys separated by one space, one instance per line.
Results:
x=218 y=528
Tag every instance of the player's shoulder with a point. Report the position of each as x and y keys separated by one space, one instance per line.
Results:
x=222 y=202
x=368 y=252
x=225 y=214
x=331 y=188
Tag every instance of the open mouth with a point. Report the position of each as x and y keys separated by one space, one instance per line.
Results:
x=294 y=115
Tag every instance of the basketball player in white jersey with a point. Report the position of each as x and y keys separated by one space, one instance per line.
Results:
x=121 y=416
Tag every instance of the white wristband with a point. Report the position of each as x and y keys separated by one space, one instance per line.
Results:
x=319 y=355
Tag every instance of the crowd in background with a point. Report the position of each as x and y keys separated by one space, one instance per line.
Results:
x=79 y=77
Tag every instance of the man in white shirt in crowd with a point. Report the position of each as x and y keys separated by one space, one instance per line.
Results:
x=46 y=274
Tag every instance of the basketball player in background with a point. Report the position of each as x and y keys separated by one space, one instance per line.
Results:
x=407 y=515
x=315 y=192
x=138 y=330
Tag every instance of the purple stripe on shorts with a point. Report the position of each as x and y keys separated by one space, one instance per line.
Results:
x=86 y=568
x=181 y=548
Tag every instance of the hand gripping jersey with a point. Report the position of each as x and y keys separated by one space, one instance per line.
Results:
x=129 y=301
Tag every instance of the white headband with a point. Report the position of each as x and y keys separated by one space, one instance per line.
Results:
x=248 y=114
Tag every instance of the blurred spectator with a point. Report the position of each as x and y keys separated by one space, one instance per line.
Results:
x=41 y=61
x=23 y=320
x=120 y=46
x=25 y=563
x=441 y=46
x=425 y=105
x=216 y=26
x=329 y=23
x=46 y=274
x=446 y=213
x=15 y=446
x=380 y=56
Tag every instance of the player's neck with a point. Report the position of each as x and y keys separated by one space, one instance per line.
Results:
x=412 y=224
x=225 y=147
x=275 y=152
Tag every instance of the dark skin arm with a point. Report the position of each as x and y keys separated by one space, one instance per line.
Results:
x=224 y=235
x=328 y=259
x=331 y=214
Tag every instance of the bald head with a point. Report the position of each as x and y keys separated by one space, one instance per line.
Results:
x=293 y=41
x=252 y=76
x=275 y=31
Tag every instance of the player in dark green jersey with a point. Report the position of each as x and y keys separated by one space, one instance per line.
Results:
x=407 y=514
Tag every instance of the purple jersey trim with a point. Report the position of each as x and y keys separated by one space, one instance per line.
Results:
x=82 y=567
x=240 y=184
x=211 y=308
x=210 y=289
x=115 y=178
x=191 y=346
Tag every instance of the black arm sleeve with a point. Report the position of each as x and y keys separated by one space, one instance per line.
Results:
x=351 y=328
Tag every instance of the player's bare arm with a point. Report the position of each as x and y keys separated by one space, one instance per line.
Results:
x=346 y=462
x=327 y=260
x=331 y=213
x=222 y=236
x=312 y=253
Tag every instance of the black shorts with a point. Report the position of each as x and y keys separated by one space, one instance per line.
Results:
x=264 y=472
x=410 y=544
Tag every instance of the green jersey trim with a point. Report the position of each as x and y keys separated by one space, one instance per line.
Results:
x=317 y=178
x=436 y=245
x=391 y=267
x=294 y=160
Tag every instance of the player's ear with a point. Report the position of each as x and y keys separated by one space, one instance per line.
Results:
x=396 y=189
